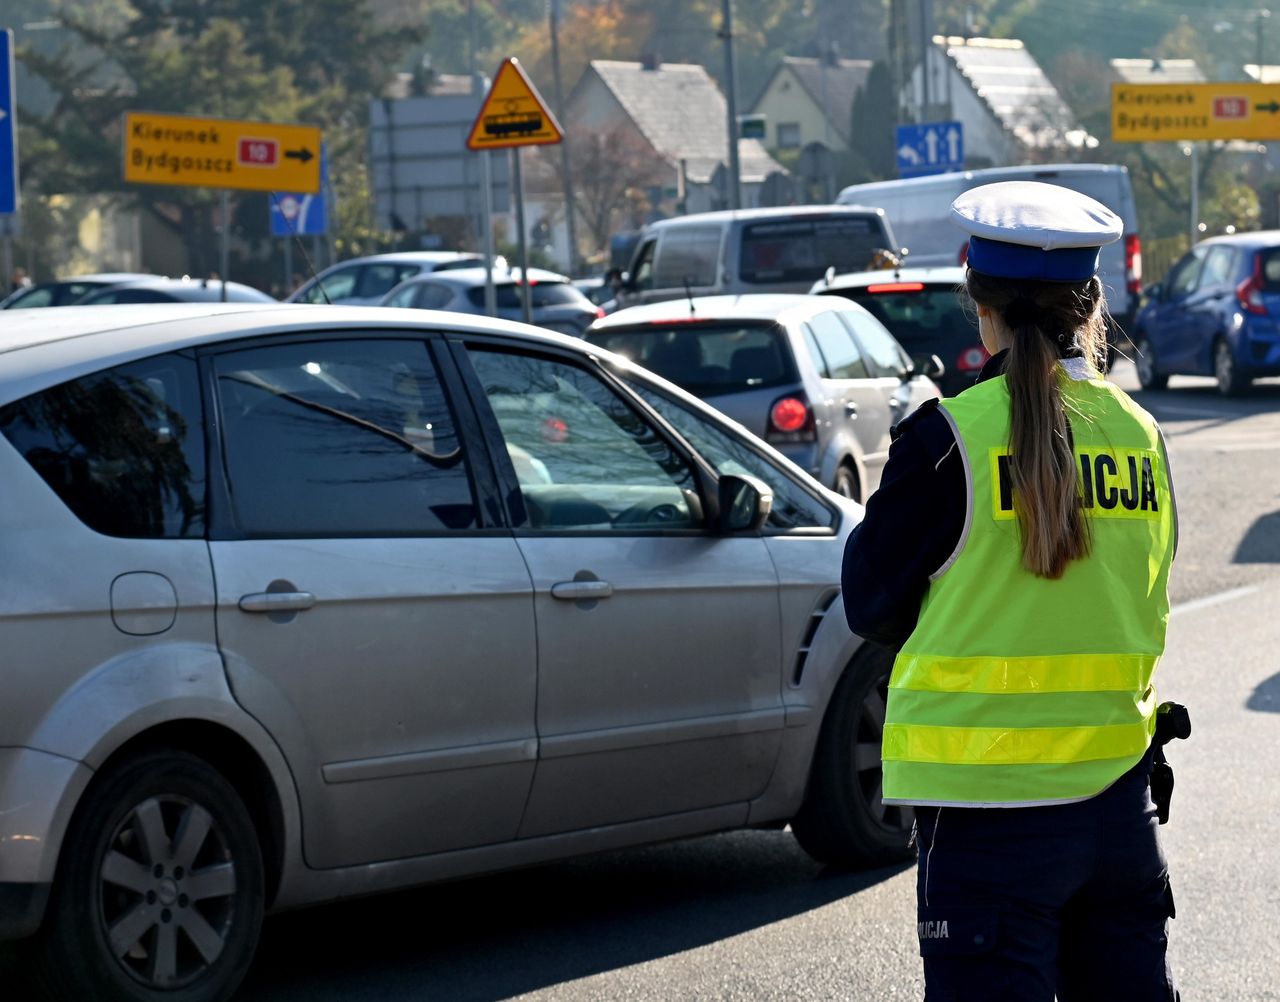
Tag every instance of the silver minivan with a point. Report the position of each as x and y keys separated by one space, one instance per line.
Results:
x=919 y=209
x=752 y=250
x=302 y=603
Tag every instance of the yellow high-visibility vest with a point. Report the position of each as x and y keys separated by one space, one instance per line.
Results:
x=1015 y=690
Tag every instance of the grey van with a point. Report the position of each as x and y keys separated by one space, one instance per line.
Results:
x=753 y=250
x=919 y=209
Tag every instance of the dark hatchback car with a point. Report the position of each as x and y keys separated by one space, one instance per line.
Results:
x=1214 y=314
x=924 y=311
x=175 y=290
x=66 y=292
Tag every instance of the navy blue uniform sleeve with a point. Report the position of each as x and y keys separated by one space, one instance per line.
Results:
x=912 y=526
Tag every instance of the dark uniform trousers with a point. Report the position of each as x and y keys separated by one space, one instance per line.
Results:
x=1020 y=904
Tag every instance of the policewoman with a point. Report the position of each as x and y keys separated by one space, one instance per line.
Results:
x=1017 y=557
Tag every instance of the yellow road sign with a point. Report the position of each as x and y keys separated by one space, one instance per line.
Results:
x=1168 y=112
x=513 y=114
x=220 y=153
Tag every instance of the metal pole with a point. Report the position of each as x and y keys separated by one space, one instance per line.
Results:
x=1258 y=26
x=926 y=97
x=7 y=287
x=1195 y=193
x=526 y=308
x=225 y=264
x=486 y=183
x=731 y=85
x=566 y=178
x=288 y=265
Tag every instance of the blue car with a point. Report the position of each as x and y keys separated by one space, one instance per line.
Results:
x=1215 y=314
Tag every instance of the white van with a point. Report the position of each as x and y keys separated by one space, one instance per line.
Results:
x=751 y=250
x=919 y=210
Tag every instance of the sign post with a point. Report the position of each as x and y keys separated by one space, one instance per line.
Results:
x=8 y=155
x=514 y=115
x=297 y=214
x=929 y=148
x=1192 y=113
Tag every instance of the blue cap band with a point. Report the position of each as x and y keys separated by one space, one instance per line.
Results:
x=1001 y=259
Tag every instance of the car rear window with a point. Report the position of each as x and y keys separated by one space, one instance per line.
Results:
x=795 y=250
x=123 y=449
x=921 y=317
x=541 y=294
x=707 y=358
x=1270 y=269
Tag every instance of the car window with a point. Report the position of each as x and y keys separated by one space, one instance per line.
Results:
x=1270 y=267
x=1186 y=272
x=642 y=273
x=803 y=248
x=815 y=352
x=123 y=449
x=885 y=356
x=376 y=280
x=507 y=295
x=42 y=295
x=340 y=438
x=1219 y=267
x=707 y=358
x=406 y=295
x=921 y=318
x=842 y=354
x=584 y=457
x=335 y=286
x=687 y=254
x=116 y=296
x=434 y=295
x=793 y=506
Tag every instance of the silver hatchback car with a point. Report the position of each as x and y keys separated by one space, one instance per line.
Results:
x=820 y=379
x=308 y=602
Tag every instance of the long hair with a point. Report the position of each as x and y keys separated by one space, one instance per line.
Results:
x=1044 y=317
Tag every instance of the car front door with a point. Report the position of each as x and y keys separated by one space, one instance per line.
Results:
x=658 y=640
x=1214 y=296
x=1172 y=333
x=854 y=400
x=370 y=615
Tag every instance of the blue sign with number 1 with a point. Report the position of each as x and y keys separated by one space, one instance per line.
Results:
x=8 y=128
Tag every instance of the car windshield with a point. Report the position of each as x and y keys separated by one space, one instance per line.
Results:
x=709 y=358
x=1270 y=269
x=540 y=294
x=923 y=318
x=796 y=250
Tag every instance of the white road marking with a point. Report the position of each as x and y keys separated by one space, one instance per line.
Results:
x=1223 y=596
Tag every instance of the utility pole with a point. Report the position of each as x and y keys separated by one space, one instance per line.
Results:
x=553 y=12
x=731 y=85
x=926 y=97
x=1259 y=24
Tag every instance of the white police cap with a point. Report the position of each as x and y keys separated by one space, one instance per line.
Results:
x=1036 y=231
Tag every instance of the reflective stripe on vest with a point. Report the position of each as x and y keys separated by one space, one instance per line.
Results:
x=1015 y=689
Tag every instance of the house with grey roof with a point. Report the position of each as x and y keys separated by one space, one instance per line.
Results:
x=1155 y=71
x=1009 y=110
x=809 y=100
x=678 y=116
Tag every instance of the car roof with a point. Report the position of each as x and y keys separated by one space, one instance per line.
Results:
x=200 y=286
x=41 y=351
x=406 y=257
x=944 y=275
x=1255 y=238
x=764 y=215
x=105 y=276
x=475 y=276
x=756 y=306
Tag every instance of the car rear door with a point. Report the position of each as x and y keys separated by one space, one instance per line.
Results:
x=1171 y=329
x=658 y=641
x=372 y=614
x=1214 y=296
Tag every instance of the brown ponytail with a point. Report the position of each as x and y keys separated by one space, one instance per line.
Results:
x=1045 y=319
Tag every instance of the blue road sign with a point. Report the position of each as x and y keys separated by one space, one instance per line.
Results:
x=8 y=128
x=295 y=214
x=929 y=148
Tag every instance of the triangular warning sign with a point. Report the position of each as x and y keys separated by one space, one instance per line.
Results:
x=513 y=114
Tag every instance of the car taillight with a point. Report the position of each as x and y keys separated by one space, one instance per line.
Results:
x=972 y=359
x=791 y=420
x=600 y=314
x=1249 y=292
x=1133 y=263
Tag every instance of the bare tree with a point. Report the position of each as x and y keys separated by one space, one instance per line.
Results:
x=611 y=171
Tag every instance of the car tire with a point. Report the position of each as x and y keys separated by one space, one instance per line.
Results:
x=1149 y=377
x=846 y=482
x=1232 y=381
x=843 y=821
x=159 y=891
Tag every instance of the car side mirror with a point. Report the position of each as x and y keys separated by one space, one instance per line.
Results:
x=1154 y=291
x=745 y=503
x=927 y=365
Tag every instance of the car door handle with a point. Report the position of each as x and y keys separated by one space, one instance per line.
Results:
x=850 y=409
x=576 y=591
x=277 y=601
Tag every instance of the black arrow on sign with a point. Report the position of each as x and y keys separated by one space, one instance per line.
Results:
x=305 y=154
x=1273 y=107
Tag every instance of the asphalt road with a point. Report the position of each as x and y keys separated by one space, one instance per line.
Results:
x=747 y=916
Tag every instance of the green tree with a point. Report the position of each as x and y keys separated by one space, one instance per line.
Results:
x=871 y=130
